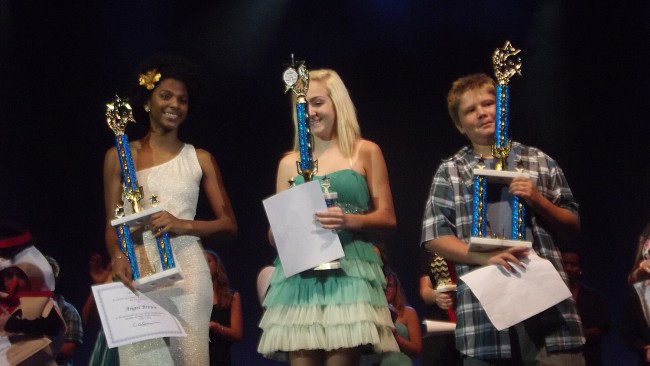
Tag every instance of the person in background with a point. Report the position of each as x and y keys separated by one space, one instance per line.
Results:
x=437 y=349
x=74 y=334
x=226 y=323
x=100 y=272
x=636 y=325
x=591 y=307
x=407 y=331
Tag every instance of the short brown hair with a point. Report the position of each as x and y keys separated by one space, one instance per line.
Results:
x=462 y=85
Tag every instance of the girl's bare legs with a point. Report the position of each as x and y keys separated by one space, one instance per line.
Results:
x=344 y=357
x=307 y=358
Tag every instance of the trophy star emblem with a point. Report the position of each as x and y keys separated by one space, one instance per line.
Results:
x=118 y=114
x=506 y=63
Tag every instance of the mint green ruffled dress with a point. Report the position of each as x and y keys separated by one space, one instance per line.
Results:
x=331 y=309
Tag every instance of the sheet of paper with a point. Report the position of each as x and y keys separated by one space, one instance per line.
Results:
x=439 y=327
x=299 y=238
x=509 y=298
x=128 y=318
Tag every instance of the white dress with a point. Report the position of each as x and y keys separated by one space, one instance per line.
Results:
x=176 y=183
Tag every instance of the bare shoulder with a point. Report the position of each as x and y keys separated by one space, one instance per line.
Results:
x=289 y=159
x=369 y=151
x=368 y=148
x=111 y=160
x=205 y=157
x=111 y=152
x=202 y=153
x=410 y=312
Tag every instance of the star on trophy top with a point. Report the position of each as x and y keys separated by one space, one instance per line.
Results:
x=506 y=63
x=118 y=114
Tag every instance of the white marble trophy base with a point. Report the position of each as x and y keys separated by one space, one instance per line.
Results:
x=137 y=221
x=478 y=244
x=499 y=176
x=138 y=218
x=158 y=280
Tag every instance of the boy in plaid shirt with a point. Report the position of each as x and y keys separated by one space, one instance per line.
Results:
x=553 y=337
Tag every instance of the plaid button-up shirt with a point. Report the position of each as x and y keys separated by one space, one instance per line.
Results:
x=448 y=211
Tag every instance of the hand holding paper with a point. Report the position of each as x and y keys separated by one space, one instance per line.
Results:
x=128 y=318
x=511 y=297
x=301 y=241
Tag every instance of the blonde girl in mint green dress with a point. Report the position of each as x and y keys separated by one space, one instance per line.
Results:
x=330 y=317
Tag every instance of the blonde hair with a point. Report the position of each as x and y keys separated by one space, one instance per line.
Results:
x=347 y=125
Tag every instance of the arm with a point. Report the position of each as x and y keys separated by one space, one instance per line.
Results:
x=224 y=226
x=98 y=274
x=560 y=220
x=427 y=292
x=449 y=246
x=413 y=345
x=235 y=331
x=382 y=216
x=67 y=351
x=431 y=296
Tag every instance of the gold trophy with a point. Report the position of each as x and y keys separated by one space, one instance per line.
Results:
x=506 y=64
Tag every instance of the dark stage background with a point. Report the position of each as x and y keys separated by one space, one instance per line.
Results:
x=582 y=99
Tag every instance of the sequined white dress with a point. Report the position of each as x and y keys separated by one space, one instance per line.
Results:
x=176 y=183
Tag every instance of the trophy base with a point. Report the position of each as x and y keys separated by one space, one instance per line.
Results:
x=329 y=265
x=447 y=288
x=158 y=280
x=478 y=244
x=138 y=218
x=498 y=176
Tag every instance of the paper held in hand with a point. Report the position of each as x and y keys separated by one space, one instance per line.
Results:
x=301 y=241
x=128 y=317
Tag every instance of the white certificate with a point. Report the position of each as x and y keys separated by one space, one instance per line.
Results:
x=128 y=318
x=301 y=241
x=509 y=298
